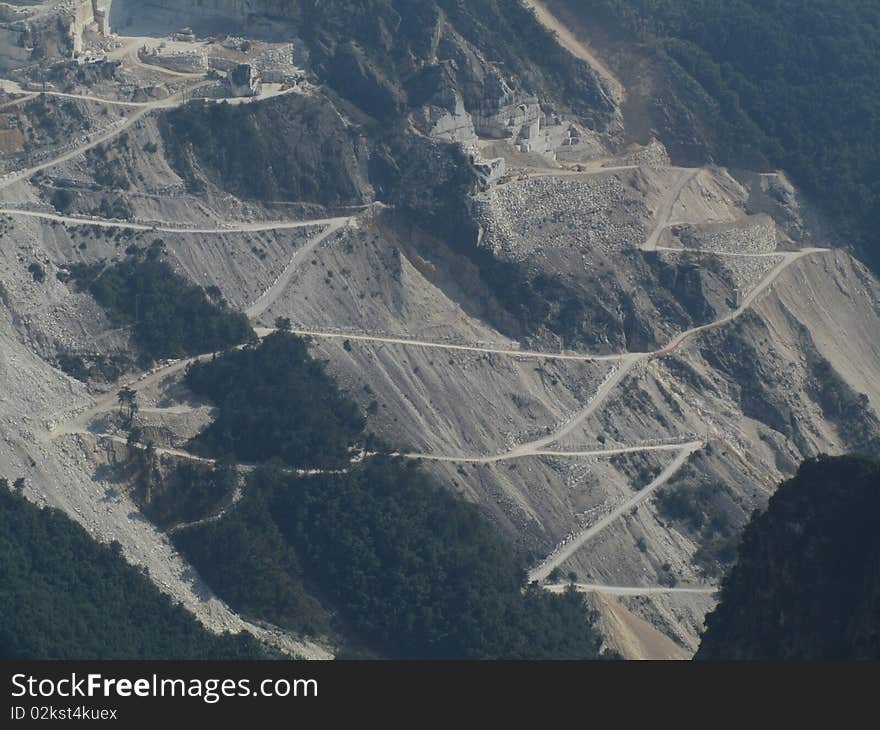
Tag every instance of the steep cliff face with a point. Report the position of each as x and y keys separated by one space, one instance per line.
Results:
x=295 y=148
x=200 y=15
x=807 y=582
x=381 y=54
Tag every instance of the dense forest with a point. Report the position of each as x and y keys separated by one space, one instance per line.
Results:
x=64 y=596
x=190 y=493
x=793 y=83
x=373 y=550
x=275 y=401
x=412 y=570
x=170 y=316
x=247 y=561
x=807 y=581
x=707 y=512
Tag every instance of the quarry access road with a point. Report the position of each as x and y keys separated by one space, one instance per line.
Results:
x=664 y=214
x=534 y=448
x=627 y=364
x=628 y=361
x=596 y=402
x=788 y=258
x=269 y=91
x=225 y=227
x=268 y=298
x=174 y=101
x=206 y=460
x=78 y=422
x=95 y=140
x=98 y=138
x=216 y=517
x=12 y=87
x=570 y=547
x=713 y=252
x=19 y=100
x=97 y=99
x=161 y=450
x=598 y=453
x=480 y=349
x=632 y=590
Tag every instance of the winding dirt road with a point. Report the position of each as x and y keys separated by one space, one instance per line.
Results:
x=78 y=422
x=11 y=87
x=597 y=453
x=632 y=590
x=100 y=137
x=568 y=549
x=597 y=401
x=788 y=258
x=538 y=447
x=533 y=448
x=229 y=227
x=664 y=214
x=268 y=298
x=479 y=349
x=177 y=99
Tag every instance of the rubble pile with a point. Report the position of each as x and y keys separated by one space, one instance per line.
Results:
x=752 y=237
x=592 y=213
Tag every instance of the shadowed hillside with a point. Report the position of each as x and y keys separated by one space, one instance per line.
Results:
x=807 y=584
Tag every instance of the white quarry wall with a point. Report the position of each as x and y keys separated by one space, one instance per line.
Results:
x=83 y=17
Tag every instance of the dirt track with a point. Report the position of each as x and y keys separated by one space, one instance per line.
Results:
x=273 y=292
x=569 y=548
x=175 y=100
x=632 y=590
x=228 y=227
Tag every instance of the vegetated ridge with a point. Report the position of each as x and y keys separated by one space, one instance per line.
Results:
x=68 y=597
x=806 y=584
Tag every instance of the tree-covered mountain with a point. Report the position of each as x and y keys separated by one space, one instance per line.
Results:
x=409 y=569
x=275 y=401
x=64 y=596
x=169 y=315
x=377 y=551
x=784 y=83
x=807 y=581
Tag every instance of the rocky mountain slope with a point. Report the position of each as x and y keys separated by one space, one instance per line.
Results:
x=566 y=329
